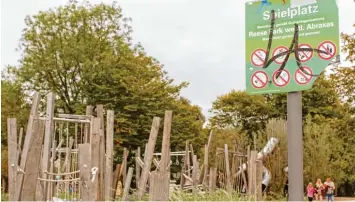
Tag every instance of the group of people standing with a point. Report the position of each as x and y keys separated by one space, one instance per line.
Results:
x=320 y=190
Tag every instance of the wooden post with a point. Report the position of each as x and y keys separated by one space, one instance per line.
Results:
x=127 y=184
x=85 y=173
x=19 y=145
x=109 y=153
x=148 y=159
x=47 y=139
x=186 y=165
x=205 y=165
x=258 y=178
x=32 y=163
x=228 y=180
x=212 y=179
x=115 y=181
x=165 y=160
x=95 y=153
x=100 y=114
x=138 y=167
x=12 y=157
x=124 y=164
x=68 y=160
x=89 y=109
x=28 y=139
x=195 y=165
x=50 y=189
x=159 y=186
x=252 y=174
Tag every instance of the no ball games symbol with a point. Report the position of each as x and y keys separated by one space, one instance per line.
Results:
x=258 y=57
x=304 y=56
x=283 y=79
x=259 y=79
x=277 y=51
x=301 y=77
x=329 y=47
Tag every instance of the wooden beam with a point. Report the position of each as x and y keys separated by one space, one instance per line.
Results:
x=139 y=162
x=148 y=158
x=195 y=173
x=212 y=179
x=19 y=145
x=205 y=165
x=109 y=153
x=138 y=167
x=124 y=164
x=74 y=116
x=186 y=166
x=228 y=179
x=85 y=173
x=165 y=160
x=101 y=185
x=28 y=140
x=252 y=174
x=95 y=155
x=115 y=180
x=50 y=189
x=12 y=157
x=32 y=163
x=87 y=127
x=127 y=184
x=159 y=186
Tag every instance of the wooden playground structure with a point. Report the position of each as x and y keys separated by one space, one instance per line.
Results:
x=70 y=157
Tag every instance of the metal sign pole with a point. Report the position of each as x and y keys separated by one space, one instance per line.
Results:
x=295 y=145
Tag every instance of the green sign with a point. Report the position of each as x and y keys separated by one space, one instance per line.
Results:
x=271 y=62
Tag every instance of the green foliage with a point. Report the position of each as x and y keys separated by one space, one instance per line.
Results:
x=349 y=45
x=238 y=109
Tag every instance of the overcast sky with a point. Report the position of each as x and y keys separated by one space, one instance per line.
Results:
x=199 y=41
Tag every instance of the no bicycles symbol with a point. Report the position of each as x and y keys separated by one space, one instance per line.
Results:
x=328 y=47
x=305 y=55
x=303 y=77
x=277 y=51
x=259 y=79
x=283 y=79
x=258 y=57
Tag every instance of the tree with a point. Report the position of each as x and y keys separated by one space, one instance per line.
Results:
x=238 y=109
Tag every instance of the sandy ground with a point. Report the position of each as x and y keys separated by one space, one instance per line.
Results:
x=344 y=198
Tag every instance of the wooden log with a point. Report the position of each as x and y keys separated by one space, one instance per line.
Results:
x=186 y=165
x=12 y=157
x=159 y=186
x=209 y=139
x=258 y=178
x=47 y=139
x=74 y=116
x=212 y=179
x=100 y=115
x=195 y=173
x=127 y=184
x=115 y=180
x=109 y=153
x=28 y=139
x=51 y=186
x=95 y=155
x=19 y=145
x=87 y=127
x=138 y=167
x=148 y=158
x=85 y=173
x=228 y=179
x=252 y=175
x=124 y=164
x=33 y=160
x=165 y=158
x=205 y=165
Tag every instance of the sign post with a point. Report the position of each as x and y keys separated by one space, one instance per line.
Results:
x=288 y=44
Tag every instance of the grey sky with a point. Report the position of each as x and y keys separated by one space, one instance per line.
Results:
x=199 y=41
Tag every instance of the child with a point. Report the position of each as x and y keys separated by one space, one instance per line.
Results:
x=310 y=191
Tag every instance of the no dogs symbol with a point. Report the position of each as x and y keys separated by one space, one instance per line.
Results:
x=303 y=77
x=259 y=79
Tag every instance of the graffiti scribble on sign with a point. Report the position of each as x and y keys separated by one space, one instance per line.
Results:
x=292 y=49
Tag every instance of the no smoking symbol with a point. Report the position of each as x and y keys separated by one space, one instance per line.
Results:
x=258 y=57
x=328 y=47
x=304 y=56
x=302 y=77
x=259 y=79
x=277 y=51
x=283 y=79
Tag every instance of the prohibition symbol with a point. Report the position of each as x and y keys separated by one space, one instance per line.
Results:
x=259 y=79
x=283 y=79
x=258 y=57
x=301 y=77
x=305 y=55
x=328 y=47
x=277 y=51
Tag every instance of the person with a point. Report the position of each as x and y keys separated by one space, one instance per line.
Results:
x=329 y=189
x=319 y=190
x=310 y=191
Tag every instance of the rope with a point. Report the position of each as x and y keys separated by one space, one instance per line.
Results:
x=61 y=174
x=48 y=180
